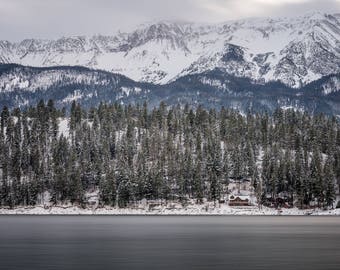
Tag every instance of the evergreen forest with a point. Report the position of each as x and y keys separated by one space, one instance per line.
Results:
x=132 y=152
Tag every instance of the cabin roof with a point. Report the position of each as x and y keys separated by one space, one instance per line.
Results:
x=242 y=197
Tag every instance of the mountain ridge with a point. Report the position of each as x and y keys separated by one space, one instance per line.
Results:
x=22 y=86
x=296 y=50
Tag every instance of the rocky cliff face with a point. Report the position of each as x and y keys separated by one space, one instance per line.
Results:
x=295 y=51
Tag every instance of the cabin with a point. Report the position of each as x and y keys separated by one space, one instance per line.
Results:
x=239 y=200
x=281 y=200
x=92 y=198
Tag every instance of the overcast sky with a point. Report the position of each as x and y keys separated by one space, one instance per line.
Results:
x=21 y=19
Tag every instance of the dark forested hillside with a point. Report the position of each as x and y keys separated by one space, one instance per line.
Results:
x=22 y=86
x=130 y=153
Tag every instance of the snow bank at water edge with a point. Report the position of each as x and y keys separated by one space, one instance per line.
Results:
x=190 y=210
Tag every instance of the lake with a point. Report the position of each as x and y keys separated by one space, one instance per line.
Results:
x=169 y=242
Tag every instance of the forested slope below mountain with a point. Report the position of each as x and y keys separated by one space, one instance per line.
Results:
x=129 y=153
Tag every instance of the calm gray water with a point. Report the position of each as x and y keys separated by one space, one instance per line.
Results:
x=111 y=242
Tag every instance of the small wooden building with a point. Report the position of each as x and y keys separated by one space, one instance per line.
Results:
x=238 y=200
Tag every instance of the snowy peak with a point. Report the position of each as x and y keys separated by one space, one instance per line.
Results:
x=172 y=34
x=295 y=50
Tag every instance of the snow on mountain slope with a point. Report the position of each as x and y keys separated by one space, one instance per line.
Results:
x=294 y=50
x=22 y=78
x=22 y=86
x=332 y=86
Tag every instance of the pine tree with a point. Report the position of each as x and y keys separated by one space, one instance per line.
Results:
x=108 y=189
x=329 y=190
x=316 y=177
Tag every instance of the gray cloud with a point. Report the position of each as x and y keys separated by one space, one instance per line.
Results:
x=54 y=18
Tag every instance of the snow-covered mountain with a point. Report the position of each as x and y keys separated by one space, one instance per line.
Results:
x=295 y=50
x=22 y=86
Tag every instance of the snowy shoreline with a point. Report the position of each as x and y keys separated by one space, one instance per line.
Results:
x=189 y=211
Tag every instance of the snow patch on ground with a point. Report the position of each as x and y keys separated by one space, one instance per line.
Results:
x=64 y=127
x=170 y=209
x=73 y=97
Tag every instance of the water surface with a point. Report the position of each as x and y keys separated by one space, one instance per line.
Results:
x=169 y=242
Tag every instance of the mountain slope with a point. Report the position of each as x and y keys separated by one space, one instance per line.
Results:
x=25 y=86
x=294 y=50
